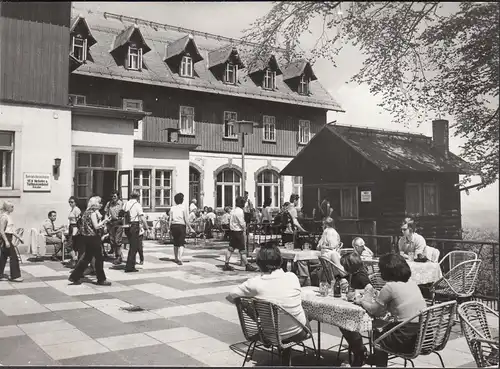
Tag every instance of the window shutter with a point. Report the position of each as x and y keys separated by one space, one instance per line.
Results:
x=127 y=59
x=84 y=50
x=139 y=66
x=73 y=46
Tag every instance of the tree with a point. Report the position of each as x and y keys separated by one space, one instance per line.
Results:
x=425 y=59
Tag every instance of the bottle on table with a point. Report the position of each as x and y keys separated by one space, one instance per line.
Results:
x=337 y=291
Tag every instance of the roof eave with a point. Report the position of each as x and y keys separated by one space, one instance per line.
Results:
x=168 y=145
x=105 y=111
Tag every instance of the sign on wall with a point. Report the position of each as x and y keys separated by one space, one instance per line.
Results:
x=366 y=196
x=37 y=182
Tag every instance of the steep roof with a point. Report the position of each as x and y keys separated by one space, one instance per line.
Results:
x=222 y=55
x=388 y=150
x=179 y=46
x=79 y=19
x=263 y=63
x=297 y=68
x=105 y=28
x=125 y=36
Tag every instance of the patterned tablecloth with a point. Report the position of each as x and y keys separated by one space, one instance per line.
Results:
x=295 y=255
x=335 y=311
x=421 y=273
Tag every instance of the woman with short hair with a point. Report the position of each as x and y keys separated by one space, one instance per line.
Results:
x=411 y=240
x=7 y=249
x=329 y=243
x=89 y=230
x=400 y=296
x=72 y=242
x=178 y=223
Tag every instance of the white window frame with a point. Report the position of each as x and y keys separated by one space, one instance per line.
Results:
x=304 y=132
x=233 y=184
x=186 y=68
x=231 y=73
x=127 y=102
x=274 y=185
x=229 y=115
x=269 y=128
x=421 y=186
x=77 y=99
x=134 y=58
x=189 y=115
x=162 y=188
x=141 y=186
x=5 y=151
x=304 y=85
x=269 y=79
x=298 y=188
x=83 y=47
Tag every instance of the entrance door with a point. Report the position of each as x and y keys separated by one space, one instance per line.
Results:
x=103 y=182
x=83 y=187
x=194 y=185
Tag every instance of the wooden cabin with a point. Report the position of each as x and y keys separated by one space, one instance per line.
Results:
x=374 y=178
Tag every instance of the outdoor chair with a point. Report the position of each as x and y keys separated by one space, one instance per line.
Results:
x=435 y=323
x=458 y=283
x=16 y=242
x=376 y=281
x=330 y=270
x=432 y=254
x=476 y=329
x=248 y=323
x=453 y=258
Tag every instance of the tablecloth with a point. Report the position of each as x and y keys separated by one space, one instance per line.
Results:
x=335 y=311
x=295 y=255
x=421 y=273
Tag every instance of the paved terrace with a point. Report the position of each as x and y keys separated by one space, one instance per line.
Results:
x=186 y=320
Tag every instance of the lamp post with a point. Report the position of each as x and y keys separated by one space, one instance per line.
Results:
x=243 y=127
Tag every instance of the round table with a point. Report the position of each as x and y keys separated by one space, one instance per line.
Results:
x=421 y=273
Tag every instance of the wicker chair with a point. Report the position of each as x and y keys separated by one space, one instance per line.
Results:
x=330 y=270
x=432 y=254
x=435 y=326
x=371 y=267
x=458 y=283
x=474 y=321
x=248 y=323
x=453 y=258
x=376 y=281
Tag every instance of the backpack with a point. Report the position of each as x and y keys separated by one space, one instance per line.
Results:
x=126 y=215
x=79 y=223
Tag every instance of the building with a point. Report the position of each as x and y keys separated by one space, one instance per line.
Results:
x=375 y=178
x=199 y=84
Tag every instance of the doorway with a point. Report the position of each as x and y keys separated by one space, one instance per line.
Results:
x=194 y=185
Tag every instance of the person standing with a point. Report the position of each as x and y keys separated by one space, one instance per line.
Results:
x=237 y=236
x=90 y=236
x=179 y=222
x=115 y=230
x=136 y=215
x=73 y=235
x=248 y=209
x=7 y=232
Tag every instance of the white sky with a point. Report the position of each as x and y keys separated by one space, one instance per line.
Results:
x=231 y=18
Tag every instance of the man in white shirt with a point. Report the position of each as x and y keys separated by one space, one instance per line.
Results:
x=247 y=208
x=134 y=208
x=237 y=236
x=359 y=246
x=192 y=206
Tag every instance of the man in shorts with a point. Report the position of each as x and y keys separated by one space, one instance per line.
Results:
x=237 y=236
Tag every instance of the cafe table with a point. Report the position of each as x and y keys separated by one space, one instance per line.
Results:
x=335 y=311
x=421 y=273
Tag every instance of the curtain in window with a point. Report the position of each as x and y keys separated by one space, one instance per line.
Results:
x=430 y=199
x=413 y=199
x=349 y=208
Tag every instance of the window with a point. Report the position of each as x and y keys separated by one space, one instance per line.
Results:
x=130 y=104
x=298 y=188
x=134 y=58
x=304 y=131
x=229 y=118
x=268 y=186
x=163 y=188
x=269 y=128
x=228 y=184
x=79 y=48
x=6 y=158
x=343 y=201
x=269 y=79
x=186 y=66
x=77 y=99
x=304 y=85
x=142 y=183
x=94 y=160
x=422 y=199
x=230 y=76
x=186 y=120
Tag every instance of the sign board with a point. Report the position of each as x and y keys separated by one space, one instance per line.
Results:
x=366 y=196
x=37 y=182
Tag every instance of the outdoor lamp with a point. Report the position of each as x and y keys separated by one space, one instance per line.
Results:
x=57 y=165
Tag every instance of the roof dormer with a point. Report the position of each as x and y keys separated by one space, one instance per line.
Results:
x=182 y=54
x=129 y=47
x=298 y=74
x=81 y=40
x=225 y=63
x=264 y=72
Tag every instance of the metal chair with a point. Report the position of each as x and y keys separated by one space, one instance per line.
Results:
x=474 y=321
x=16 y=242
x=435 y=323
x=331 y=270
x=249 y=324
x=376 y=281
x=453 y=258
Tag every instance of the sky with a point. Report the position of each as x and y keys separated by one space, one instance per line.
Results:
x=231 y=18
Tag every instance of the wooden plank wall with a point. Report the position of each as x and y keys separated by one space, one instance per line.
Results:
x=34 y=62
x=56 y=12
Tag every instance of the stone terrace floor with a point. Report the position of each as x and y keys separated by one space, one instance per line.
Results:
x=186 y=320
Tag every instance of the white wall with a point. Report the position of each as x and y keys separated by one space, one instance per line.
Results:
x=41 y=135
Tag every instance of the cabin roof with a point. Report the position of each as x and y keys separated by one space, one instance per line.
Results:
x=106 y=27
x=387 y=150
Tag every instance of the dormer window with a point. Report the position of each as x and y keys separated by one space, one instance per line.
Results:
x=230 y=77
x=79 y=48
x=186 y=66
x=134 y=58
x=269 y=79
x=304 y=85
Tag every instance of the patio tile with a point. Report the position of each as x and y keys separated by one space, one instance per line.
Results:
x=176 y=335
x=200 y=346
x=106 y=358
x=128 y=341
x=173 y=311
x=24 y=285
x=39 y=271
x=143 y=299
x=69 y=350
x=72 y=305
x=10 y=331
x=158 y=355
x=42 y=327
x=20 y=305
x=21 y=350
x=34 y=318
x=160 y=290
x=218 y=309
x=221 y=358
x=4 y=285
x=145 y=326
x=65 y=287
x=59 y=336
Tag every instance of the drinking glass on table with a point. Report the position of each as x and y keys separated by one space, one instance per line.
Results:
x=411 y=256
x=324 y=288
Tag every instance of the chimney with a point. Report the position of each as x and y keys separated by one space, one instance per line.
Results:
x=440 y=136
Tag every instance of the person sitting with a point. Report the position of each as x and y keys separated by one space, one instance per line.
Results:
x=403 y=299
x=359 y=246
x=278 y=287
x=192 y=206
x=411 y=242
x=224 y=221
x=209 y=223
x=329 y=243
x=53 y=235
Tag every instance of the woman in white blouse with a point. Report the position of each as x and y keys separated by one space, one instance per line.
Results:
x=72 y=240
x=178 y=222
x=330 y=244
x=411 y=240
